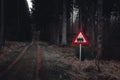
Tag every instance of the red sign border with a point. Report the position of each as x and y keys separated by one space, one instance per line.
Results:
x=80 y=31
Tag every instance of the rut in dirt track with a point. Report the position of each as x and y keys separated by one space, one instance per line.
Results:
x=27 y=67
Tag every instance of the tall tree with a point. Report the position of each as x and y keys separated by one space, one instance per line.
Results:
x=99 y=32
x=64 y=25
x=2 y=24
x=24 y=18
x=100 y=26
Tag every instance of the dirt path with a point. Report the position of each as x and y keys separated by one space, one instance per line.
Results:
x=25 y=70
x=26 y=66
x=39 y=63
x=15 y=61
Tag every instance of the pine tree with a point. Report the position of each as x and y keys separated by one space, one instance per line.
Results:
x=2 y=24
x=64 y=25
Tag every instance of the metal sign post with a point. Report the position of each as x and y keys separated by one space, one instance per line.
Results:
x=80 y=39
x=80 y=46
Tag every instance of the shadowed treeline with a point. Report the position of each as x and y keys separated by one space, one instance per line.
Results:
x=53 y=18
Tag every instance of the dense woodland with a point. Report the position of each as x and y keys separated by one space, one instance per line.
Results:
x=99 y=19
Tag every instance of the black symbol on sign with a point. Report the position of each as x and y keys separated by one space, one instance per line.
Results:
x=80 y=39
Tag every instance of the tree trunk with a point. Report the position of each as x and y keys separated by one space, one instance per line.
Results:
x=100 y=25
x=99 y=33
x=57 y=36
x=2 y=24
x=58 y=31
x=64 y=26
x=80 y=18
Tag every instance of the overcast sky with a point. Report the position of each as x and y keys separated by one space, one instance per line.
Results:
x=29 y=4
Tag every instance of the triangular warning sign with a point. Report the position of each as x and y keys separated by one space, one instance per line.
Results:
x=80 y=38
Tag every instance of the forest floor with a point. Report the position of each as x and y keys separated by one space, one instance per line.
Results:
x=57 y=63
x=60 y=63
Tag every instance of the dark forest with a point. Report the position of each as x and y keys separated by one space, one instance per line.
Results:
x=52 y=25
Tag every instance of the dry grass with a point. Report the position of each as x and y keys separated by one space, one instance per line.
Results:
x=84 y=70
x=87 y=70
x=8 y=51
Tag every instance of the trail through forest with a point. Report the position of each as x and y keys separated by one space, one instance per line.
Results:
x=41 y=61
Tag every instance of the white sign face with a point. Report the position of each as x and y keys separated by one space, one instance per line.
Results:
x=80 y=38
